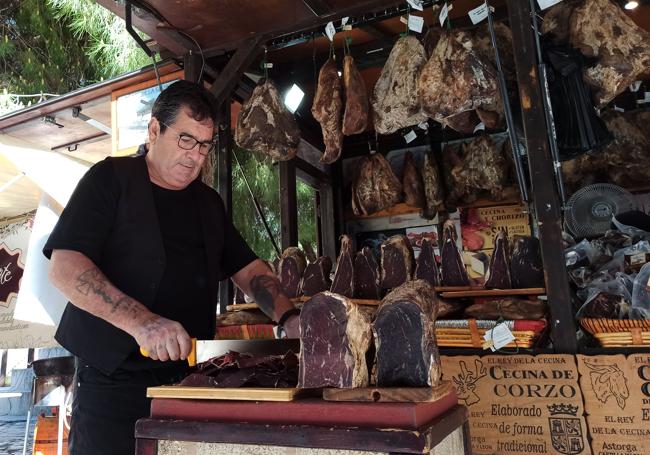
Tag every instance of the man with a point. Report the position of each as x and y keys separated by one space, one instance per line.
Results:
x=139 y=251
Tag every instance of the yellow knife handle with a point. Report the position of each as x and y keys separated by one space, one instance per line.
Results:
x=191 y=358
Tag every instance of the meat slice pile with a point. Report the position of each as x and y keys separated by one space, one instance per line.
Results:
x=357 y=105
x=405 y=339
x=334 y=338
x=395 y=103
x=244 y=370
x=327 y=109
x=601 y=29
x=375 y=186
x=266 y=126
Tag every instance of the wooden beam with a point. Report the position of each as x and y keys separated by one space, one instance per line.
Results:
x=327 y=227
x=232 y=73
x=318 y=7
x=288 y=204
x=541 y=167
x=224 y=184
x=192 y=66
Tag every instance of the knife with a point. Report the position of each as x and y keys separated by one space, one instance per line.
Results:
x=203 y=350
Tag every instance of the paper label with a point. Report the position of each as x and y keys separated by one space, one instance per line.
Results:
x=403 y=20
x=268 y=65
x=444 y=12
x=347 y=27
x=416 y=4
x=634 y=86
x=344 y=21
x=330 y=31
x=543 y=4
x=478 y=14
x=416 y=23
x=410 y=136
x=637 y=259
x=479 y=127
x=423 y=126
x=498 y=337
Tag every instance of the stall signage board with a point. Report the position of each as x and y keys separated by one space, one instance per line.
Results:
x=479 y=225
x=521 y=404
x=616 y=390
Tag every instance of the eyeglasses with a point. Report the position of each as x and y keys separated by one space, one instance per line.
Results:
x=188 y=142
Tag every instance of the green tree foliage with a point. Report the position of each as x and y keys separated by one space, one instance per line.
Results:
x=263 y=178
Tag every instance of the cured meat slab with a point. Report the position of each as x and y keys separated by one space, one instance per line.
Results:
x=453 y=271
x=266 y=126
x=327 y=109
x=357 y=105
x=412 y=183
x=317 y=277
x=396 y=262
x=395 y=103
x=343 y=282
x=511 y=309
x=405 y=340
x=426 y=266
x=291 y=268
x=334 y=339
x=375 y=186
x=366 y=275
x=526 y=268
x=498 y=272
x=434 y=193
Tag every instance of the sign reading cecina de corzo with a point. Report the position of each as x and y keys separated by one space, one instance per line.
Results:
x=521 y=404
x=617 y=402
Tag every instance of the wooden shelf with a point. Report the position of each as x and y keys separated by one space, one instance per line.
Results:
x=482 y=292
x=254 y=306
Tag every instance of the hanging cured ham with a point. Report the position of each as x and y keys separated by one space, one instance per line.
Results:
x=412 y=182
x=395 y=103
x=433 y=188
x=327 y=109
x=266 y=126
x=357 y=106
x=375 y=187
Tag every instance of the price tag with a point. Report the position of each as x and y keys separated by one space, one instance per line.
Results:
x=268 y=65
x=424 y=126
x=330 y=31
x=416 y=23
x=344 y=21
x=444 y=12
x=416 y=4
x=498 y=337
x=478 y=14
x=479 y=127
x=635 y=86
x=543 y=4
x=410 y=136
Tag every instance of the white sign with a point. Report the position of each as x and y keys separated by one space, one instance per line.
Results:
x=416 y=23
x=423 y=125
x=416 y=4
x=344 y=21
x=330 y=31
x=478 y=14
x=498 y=337
x=543 y=4
x=444 y=12
x=410 y=136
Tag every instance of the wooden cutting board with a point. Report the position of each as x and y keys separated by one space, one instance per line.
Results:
x=216 y=393
x=390 y=394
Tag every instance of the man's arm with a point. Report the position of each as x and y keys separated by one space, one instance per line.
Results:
x=258 y=281
x=86 y=287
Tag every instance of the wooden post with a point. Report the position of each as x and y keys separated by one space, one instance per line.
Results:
x=224 y=184
x=542 y=176
x=288 y=204
x=192 y=64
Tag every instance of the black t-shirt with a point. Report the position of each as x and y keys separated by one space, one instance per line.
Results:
x=183 y=292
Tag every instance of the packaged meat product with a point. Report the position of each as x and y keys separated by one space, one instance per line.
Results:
x=327 y=109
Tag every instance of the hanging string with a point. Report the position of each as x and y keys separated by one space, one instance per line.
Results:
x=265 y=63
x=408 y=14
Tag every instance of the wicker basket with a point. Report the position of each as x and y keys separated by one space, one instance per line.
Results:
x=618 y=332
x=468 y=333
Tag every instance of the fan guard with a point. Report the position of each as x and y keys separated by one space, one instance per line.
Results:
x=590 y=210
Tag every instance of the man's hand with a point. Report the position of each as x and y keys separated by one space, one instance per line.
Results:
x=162 y=338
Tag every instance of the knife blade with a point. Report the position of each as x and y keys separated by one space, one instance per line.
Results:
x=203 y=350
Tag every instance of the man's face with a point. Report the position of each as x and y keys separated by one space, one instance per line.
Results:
x=171 y=166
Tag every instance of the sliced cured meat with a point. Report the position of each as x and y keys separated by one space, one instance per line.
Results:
x=412 y=183
x=375 y=186
x=357 y=106
x=453 y=270
x=343 y=282
x=395 y=103
x=405 y=340
x=526 y=269
x=426 y=267
x=498 y=272
x=600 y=28
x=327 y=109
x=366 y=275
x=317 y=277
x=266 y=126
x=396 y=262
x=334 y=339
x=507 y=309
x=434 y=193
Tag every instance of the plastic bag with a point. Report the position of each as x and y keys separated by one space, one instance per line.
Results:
x=641 y=294
x=579 y=255
x=634 y=232
x=610 y=299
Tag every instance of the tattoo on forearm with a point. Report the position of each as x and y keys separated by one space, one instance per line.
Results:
x=266 y=290
x=93 y=281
